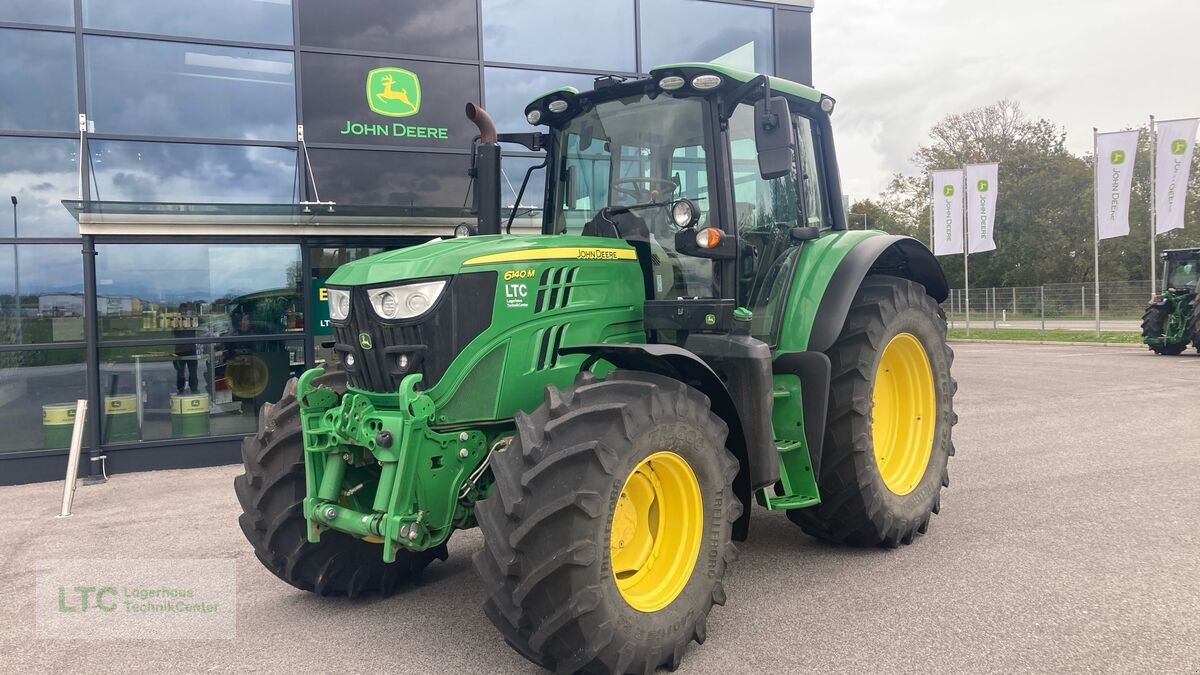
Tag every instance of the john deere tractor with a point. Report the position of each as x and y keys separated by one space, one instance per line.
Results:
x=693 y=332
x=1172 y=319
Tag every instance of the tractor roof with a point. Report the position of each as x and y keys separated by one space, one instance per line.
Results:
x=1181 y=253
x=801 y=96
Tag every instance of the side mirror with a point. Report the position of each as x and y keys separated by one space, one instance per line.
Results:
x=773 y=137
x=571 y=189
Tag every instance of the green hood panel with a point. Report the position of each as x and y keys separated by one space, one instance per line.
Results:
x=451 y=256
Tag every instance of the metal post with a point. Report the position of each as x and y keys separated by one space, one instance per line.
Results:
x=1014 y=302
x=993 y=307
x=20 y=337
x=1042 y=305
x=1153 y=208
x=73 y=458
x=1096 y=220
x=1083 y=300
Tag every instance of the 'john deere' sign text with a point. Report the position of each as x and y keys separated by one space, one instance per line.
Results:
x=393 y=92
x=376 y=101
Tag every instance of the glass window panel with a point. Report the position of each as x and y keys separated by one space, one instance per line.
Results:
x=192 y=172
x=345 y=103
x=38 y=80
x=192 y=390
x=369 y=177
x=256 y=20
x=739 y=36
x=795 y=46
x=515 y=31
x=50 y=12
x=48 y=279
x=508 y=91
x=39 y=385
x=175 y=89
x=197 y=290
x=40 y=173
x=512 y=173
x=443 y=28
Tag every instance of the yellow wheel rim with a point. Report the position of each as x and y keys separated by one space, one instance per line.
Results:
x=657 y=526
x=904 y=414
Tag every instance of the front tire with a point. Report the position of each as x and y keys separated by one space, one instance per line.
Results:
x=271 y=493
x=607 y=533
x=1154 y=323
x=891 y=410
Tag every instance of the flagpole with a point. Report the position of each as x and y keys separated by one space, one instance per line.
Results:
x=966 y=255
x=1096 y=217
x=1153 y=209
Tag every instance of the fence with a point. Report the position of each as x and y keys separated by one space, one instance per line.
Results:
x=1052 y=306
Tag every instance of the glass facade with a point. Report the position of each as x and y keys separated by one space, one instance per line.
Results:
x=189 y=106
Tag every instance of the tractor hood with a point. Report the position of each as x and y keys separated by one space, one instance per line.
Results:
x=451 y=256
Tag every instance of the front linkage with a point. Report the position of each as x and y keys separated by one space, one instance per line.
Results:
x=375 y=469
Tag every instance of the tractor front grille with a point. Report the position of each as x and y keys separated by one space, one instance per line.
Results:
x=426 y=345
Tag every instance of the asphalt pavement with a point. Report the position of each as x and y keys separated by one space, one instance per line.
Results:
x=1067 y=542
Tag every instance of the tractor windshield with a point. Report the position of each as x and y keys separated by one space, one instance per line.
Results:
x=643 y=153
x=1182 y=274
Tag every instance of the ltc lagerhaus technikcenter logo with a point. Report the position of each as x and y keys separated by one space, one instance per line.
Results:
x=393 y=92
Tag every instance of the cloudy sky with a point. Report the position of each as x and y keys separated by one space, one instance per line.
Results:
x=896 y=68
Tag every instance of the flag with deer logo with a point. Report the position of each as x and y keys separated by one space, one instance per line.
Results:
x=947 y=212
x=982 y=181
x=1114 y=177
x=1173 y=163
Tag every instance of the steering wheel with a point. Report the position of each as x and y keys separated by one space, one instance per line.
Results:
x=638 y=194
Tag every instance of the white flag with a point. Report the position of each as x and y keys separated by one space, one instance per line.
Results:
x=947 y=212
x=1115 y=153
x=982 y=182
x=1173 y=163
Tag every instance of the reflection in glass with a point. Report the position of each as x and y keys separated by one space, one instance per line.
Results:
x=49 y=12
x=442 y=28
x=512 y=170
x=508 y=91
x=48 y=279
x=256 y=20
x=738 y=36
x=515 y=31
x=175 y=89
x=40 y=173
x=398 y=178
x=37 y=82
x=197 y=290
x=192 y=390
x=39 y=385
x=192 y=172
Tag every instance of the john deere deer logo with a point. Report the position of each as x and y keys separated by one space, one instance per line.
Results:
x=364 y=341
x=394 y=92
x=1178 y=147
x=1117 y=157
x=982 y=186
x=948 y=190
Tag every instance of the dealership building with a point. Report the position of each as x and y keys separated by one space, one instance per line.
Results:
x=215 y=161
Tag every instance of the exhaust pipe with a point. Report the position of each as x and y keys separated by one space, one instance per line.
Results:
x=486 y=172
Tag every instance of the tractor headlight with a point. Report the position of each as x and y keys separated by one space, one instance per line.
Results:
x=405 y=302
x=339 y=304
x=684 y=213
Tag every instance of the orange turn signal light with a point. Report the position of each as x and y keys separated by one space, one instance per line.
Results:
x=709 y=237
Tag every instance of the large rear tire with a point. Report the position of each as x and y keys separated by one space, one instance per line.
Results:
x=271 y=493
x=607 y=533
x=891 y=410
x=1154 y=322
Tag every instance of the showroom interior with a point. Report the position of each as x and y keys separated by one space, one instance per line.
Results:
x=195 y=146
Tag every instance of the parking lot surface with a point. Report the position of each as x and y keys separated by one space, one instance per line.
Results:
x=1069 y=541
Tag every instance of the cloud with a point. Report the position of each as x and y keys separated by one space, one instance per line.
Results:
x=898 y=68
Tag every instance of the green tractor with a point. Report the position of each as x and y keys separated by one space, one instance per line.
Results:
x=1172 y=319
x=693 y=331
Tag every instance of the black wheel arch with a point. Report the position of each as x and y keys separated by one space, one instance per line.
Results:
x=893 y=255
x=681 y=364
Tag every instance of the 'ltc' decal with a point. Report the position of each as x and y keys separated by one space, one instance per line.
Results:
x=516 y=294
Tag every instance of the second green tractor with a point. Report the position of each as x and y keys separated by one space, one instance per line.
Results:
x=694 y=332
x=1172 y=319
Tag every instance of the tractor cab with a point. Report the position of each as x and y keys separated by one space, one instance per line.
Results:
x=1181 y=270
x=714 y=176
